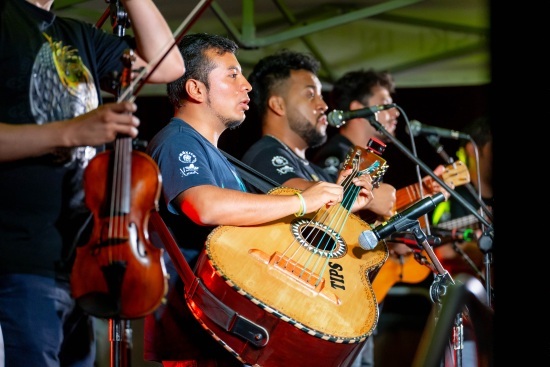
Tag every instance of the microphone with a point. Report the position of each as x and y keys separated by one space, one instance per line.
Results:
x=466 y=234
x=417 y=128
x=337 y=118
x=399 y=222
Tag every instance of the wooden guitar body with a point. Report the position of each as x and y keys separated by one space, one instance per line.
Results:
x=315 y=302
x=396 y=269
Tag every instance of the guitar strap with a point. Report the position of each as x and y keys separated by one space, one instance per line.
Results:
x=213 y=308
x=250 y=175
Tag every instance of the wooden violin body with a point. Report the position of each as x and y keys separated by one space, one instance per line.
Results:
x=119 y=272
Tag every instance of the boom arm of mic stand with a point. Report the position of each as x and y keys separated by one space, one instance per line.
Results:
x=428 y=171
x=434 y=142
x=422 y=240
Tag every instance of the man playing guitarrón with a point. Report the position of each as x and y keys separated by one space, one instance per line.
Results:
x=204 y=200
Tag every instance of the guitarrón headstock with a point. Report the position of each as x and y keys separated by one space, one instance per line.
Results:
x=365 y=161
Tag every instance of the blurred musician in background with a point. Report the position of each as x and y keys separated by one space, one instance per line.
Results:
x=451 y=215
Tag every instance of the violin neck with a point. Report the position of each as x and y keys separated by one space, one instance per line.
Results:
x=122 y=174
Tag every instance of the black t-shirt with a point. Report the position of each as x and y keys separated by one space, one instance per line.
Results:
x=275 y=160
x=332 y=155
x=51 y=69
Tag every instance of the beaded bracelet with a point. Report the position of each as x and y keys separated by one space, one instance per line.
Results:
x=303 y=209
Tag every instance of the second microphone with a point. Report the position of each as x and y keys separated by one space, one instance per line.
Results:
x=337 y=118
x=399 y=222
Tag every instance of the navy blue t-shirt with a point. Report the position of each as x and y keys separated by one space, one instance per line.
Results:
x=186 y=159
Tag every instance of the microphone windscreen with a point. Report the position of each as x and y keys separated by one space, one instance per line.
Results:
x=414 y=127
x=335 y=118
x=368 y=240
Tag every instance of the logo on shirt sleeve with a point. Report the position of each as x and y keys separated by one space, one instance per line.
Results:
x=188 y=159
x=281 y=164
x=332 y=165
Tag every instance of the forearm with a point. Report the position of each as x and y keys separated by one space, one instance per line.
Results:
x=384 y=200
x=28 y=140
x=153 y=39
x=97 y=127
x=216 y=206
x=380 y=206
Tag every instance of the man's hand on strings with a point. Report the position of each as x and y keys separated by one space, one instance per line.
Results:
x=364 y=182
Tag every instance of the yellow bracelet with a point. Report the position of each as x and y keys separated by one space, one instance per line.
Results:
x=303 y=209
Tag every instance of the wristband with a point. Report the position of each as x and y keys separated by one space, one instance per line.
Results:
x=303 y=209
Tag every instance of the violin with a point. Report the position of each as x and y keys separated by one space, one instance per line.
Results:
x=119 y=273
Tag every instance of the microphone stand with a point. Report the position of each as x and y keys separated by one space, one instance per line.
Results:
x=488 y=233
x=427 y=169
x=438 y=289
x=442 y=278
x=434 y=142
x=485 y=242
x=120 y=330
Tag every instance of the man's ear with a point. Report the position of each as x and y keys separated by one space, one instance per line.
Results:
x=356 y=105
x=276 y=104
x=196 y=90
x=470 y=151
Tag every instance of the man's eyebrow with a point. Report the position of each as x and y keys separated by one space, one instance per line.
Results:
x=236 y=68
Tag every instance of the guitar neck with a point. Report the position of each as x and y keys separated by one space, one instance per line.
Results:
x=454 y=174
x=410 y=194
x=460 y=223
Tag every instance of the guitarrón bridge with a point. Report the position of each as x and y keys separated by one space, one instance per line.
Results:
x=304 y=280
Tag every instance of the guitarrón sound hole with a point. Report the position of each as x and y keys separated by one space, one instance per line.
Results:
x=318 y=238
